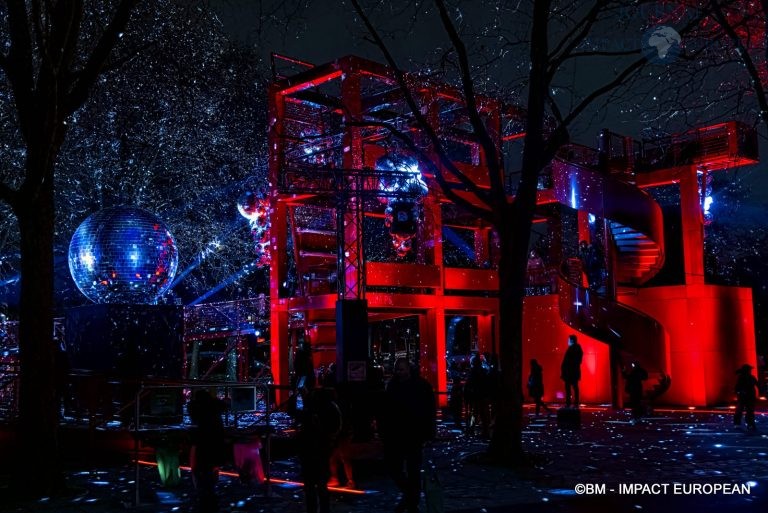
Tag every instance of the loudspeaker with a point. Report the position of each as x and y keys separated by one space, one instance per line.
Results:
x=165 y=402
x=351 y=339
x=403 y=218
x=163 y=406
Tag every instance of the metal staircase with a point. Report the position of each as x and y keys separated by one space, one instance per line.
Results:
x=635 y=224
x=634 y=218
x=637 y=256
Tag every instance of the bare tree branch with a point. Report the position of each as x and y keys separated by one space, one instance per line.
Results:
x=420 y=118
x=573 y=38
x=609 y=86
x=19 y=62
x=79 y=92
x=470 y=99
x=65 y=32
x=752 y=71
x=9 y=195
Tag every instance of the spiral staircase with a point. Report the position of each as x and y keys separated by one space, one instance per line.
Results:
x=636 y=254
x=610 y=184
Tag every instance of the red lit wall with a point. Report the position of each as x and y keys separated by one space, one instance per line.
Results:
x=711 y=334
x=545 y=337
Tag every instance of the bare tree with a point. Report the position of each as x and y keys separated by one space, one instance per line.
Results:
x=559 y=40
x=50 y=69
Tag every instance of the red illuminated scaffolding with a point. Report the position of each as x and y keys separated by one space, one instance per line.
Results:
x=355 y=242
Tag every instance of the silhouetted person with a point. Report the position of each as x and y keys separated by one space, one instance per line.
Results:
x=329 y=376
x=62 y=368
x=536 y=272
x=583 y=255
x=375 y=376
x=341 y=455
x=591 y=256
x=407 y=421
x=477 y=392
x=746 y=396
x=303 y=367
x=583 y=252
x=570 y=371
x=320 y=423
x=207 y=452
x=456 y=400
x=536 y=386
x=634 y=378
x=595 y=266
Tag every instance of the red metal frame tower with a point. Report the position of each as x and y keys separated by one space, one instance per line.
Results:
x=328 y=135
x=330 y=129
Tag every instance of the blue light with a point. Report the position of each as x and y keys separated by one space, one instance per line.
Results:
x=562 y=491
x=123 y=255
x=232 y=278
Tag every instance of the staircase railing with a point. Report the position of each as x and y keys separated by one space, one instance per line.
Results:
x=581 y=187
x=635 y=335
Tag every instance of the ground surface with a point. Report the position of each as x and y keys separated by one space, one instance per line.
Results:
x=688 y=460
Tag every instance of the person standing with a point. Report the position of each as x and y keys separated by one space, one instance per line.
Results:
x=407 y=422
x=634 y=387
x=304 y=367
x=319 y=427
x=341 y=455
x=746 y=396
x=207 y=452
x=595 y=265
x=477 y=392
x=456 y=400
x=570 y=371
x=536 y=273
x=584 y=257
x=536 y=386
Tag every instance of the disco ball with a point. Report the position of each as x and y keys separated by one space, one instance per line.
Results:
x=123 y=255
x=248 y=205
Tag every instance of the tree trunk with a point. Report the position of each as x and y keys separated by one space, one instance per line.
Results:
x=49 y=83
x=514 y=228
x=38 y=458
x=506 y=443
x=38 y=461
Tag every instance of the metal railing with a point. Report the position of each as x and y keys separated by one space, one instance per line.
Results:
x=165 y=402
x=9 y=389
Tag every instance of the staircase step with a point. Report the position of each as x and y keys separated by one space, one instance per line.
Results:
x=633 y=235
x=633 y=259
x=641 y=250
x=636 y=245
x=633 y=271
x=629 y=276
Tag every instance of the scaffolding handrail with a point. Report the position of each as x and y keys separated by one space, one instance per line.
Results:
x=323 y=180
x=144 y=390
x=274 y=57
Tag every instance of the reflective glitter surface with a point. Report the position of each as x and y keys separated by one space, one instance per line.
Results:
x=123 y=255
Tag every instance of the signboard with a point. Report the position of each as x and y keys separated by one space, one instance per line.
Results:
x=356 y=370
